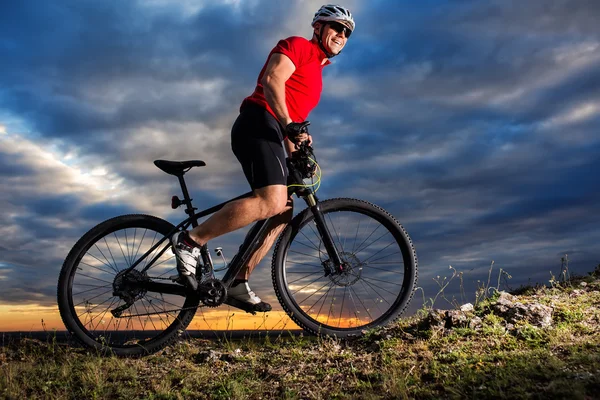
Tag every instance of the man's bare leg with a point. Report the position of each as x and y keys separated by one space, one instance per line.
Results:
x=276 y=224
x=265 y=202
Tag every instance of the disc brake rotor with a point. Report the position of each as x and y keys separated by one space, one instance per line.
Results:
x=351 y=273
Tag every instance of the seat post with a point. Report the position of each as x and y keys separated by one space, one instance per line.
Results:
x=189 y=209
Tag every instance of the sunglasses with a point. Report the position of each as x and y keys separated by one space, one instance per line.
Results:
x=339 y=28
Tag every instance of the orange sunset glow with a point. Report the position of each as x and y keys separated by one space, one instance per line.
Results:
x=31 y=318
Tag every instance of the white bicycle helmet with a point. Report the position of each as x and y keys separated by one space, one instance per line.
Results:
x=332 y=12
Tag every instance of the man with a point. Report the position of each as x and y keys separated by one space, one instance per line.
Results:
x=288 y=88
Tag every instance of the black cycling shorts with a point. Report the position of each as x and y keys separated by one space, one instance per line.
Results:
x=256 y=141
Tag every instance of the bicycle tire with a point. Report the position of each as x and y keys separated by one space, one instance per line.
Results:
x=91 y=267
x=287 y=259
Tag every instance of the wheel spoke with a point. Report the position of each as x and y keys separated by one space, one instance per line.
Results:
x=111 y=254
x=353 y=303
x=363 y=304
x=324 y=301
x=331 y=306
x=342 y=307
x=299 y=279
x=101 y=320
x=386 y=263
x=99 y=269
x=151 y=320
x=142 y=326
x=375 y=300
x=96 y=279
x=314 y=246
x=299 y=263
x=355 y=237
x=114 y=268
x=301 y=272
x=374 y=241
x=316 y=291
x=304 y=254
x=367 y=238
x=336 y=231
x=127 y=247
x=381 y=251
x=150 y=256
x=379 y=280
x=372 y=286
x=149 y=267
x=163 y=300
x=304 y=287
x=94 y=286
x=91 y=290
x=92 y=293
x=162 y=262
x=378 y=287
x=89 y=311
x=381 y=269
x=140 y=245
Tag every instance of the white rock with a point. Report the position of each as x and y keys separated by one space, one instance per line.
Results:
x=467 y=307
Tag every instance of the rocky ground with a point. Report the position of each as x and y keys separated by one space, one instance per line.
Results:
x=542 y=343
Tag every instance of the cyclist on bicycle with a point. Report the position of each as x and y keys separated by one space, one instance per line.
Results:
x=272 y=118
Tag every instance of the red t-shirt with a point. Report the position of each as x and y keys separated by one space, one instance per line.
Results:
x=303 y=88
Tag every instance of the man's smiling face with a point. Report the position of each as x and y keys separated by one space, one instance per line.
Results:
x=332 y=39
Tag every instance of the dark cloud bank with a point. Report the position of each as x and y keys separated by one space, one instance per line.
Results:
x=474 y=123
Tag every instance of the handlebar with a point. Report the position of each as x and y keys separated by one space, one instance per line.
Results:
x=301 y=164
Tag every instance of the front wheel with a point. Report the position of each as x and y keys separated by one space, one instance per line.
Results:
x=378 y=280
x=93 y=284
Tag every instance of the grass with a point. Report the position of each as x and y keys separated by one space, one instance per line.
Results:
x=409 y=360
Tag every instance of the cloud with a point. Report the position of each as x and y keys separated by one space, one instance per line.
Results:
x=474 y=123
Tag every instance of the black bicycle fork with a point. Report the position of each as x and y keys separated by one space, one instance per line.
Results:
x=334 y=257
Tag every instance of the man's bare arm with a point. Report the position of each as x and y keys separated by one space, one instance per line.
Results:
x=279 y=69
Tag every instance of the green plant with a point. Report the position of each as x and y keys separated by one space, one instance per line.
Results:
x=564 y=269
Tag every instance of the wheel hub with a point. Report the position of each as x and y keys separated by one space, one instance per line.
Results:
x=125 y=285
x=352 y=270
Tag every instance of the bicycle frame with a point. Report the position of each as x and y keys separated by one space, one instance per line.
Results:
x=252 y=241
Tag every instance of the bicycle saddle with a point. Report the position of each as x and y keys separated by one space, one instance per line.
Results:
x=178 y=167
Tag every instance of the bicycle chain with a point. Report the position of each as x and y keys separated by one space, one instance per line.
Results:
x=159 y=278
x=165 y=311
x=161 y=312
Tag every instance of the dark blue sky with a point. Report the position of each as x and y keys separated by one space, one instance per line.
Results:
x=474 y=122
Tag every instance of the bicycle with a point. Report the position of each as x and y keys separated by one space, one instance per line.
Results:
x=340 y=267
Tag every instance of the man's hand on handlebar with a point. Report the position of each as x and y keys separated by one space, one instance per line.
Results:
x=297 y=132
x=307 y=140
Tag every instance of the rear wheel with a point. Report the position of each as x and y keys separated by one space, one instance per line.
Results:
x=379 y=276
x=92 y=283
